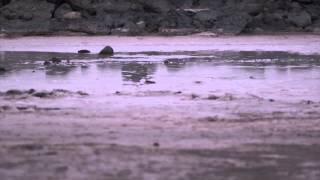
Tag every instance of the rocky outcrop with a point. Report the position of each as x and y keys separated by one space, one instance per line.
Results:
x=169 y=17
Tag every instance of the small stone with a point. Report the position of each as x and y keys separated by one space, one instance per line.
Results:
x=149 y=82
x=194 y=96
x=213 y=97
x=156 y=144
x=84 y=51
x=178 y=92
x=81 y=93
x=107 y=51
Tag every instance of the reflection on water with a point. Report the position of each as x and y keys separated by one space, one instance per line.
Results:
x=272 y=74
x=59 y=70
x=136 y=72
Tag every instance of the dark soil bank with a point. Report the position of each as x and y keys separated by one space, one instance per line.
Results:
x=165 y=17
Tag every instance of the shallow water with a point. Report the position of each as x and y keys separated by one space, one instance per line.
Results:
x=273 y=75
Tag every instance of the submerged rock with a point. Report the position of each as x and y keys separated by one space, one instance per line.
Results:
x=107 y=51
x=84 y=51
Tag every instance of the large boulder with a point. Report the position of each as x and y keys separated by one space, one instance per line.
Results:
x=233 y=23
x=207 y=17
x=4 y=2
x=107 y=51
x=156 y=6
x=300 y=19
x=314 y=11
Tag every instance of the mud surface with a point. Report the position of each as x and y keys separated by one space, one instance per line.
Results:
x=180 y=114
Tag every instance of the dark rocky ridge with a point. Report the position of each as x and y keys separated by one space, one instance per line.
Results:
x=165 y=17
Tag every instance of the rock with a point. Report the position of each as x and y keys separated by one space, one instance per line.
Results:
x=149 y=82
x=177 y=31
x=207 y=17
x=83 y=51
x=156 y=6
x=141 y=24
x=313 y=10
x=26 y=16
x=47 y=63
x=252 y=8
x=2 y=69
x=206 y=34
x=305 y=1
x=133 y=29
x=169 y=17
x=301 y=19
x=14 y=92
x=316 y=30
x=110 y=7
x=258 y=30
x=72 y=15
x=108 y=51
x=4 y=2
x=233 y=24
x=55 y=60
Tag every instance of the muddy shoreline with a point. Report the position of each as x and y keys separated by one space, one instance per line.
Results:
x=245 y=107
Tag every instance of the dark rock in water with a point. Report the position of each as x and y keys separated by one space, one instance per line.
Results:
x=149 y=82
x=173 y=61
x=14 y=92
x=31 y=91
x=168 y=17
x=47 y=63
x=2 y=69
x=83 y=51
x=81 y=93
x=156 y=144
x=41 y=94
x=55 y=60
x=107 y=51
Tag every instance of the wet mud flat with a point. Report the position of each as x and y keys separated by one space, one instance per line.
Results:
x=188 y=114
